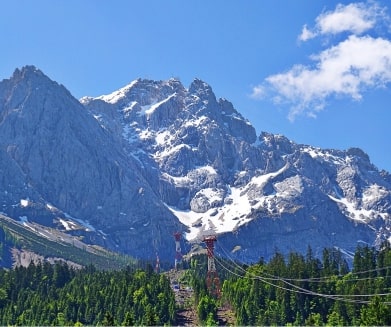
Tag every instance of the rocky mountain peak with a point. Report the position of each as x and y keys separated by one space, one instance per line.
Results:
x=26 y=92
x=29 y=76
x=154 y=157
x=356 y=152
x=202 y=90
x=26 y=72
x=143 y=91
x=67 y=161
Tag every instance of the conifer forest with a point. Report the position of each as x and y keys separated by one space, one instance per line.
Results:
x=287 y=290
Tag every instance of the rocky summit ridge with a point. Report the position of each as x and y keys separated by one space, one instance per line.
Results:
x=128 y=169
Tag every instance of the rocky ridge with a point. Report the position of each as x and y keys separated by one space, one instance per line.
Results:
x=129 y=168
x=261 y=194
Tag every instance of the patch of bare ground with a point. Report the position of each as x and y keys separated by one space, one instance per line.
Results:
x=187 y=317
x=187 y=311
x=225 y=316
x=24 y=258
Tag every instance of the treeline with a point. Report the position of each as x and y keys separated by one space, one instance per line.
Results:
x=47 y=294
x=304 y=290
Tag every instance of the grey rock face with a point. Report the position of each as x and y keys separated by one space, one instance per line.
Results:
x=68 y=161
x=154 y=157
x=218 y=177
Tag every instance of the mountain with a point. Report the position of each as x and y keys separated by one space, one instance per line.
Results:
x=259 y=194
x=60 y=168
x=128 y=169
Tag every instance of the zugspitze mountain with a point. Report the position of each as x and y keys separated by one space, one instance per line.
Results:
x=128 y=169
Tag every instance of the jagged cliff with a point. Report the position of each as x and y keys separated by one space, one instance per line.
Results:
x=130 y=168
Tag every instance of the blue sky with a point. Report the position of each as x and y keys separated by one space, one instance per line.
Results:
x=317 y=72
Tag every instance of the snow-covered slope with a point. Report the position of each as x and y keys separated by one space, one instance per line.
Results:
x=216 y=176
x=128 y=169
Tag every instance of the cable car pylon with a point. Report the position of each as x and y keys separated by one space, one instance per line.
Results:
x=212 y=279
x=178 y=253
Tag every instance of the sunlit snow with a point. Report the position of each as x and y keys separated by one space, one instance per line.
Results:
x=129 y=108
x=68 y=225
x=232 y=214
x=374 y=193
x=325 y=155
x=195 y=122
x=362 y=215
x=24 y=202
x=169 y=151
x=229 y=216
x=162 y=137
x=50 y=207
x=149 y=109
x=85 y=224
x=117 y=95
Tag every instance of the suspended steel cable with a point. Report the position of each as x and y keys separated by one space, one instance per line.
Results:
x=300 y=290
x=295 y=288
x=315 y=279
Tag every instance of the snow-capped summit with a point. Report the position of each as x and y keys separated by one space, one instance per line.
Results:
x=155 y=157
x=215 y=175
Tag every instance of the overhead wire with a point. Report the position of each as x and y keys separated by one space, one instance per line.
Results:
x=322 y=279
x=351 y=298
x=298 y=289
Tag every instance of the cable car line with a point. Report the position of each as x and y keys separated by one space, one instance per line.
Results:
x=351 y=298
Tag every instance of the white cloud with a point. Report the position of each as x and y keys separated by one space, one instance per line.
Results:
x=348 y=68
x=345 y=69
x=258 y=92
x=355 y=18
x=306 y=34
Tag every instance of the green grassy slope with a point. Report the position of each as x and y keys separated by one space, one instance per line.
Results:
x=35 y=238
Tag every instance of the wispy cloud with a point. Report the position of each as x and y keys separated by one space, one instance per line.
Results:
x=348 y=68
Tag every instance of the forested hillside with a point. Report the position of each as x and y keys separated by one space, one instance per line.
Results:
x=58 y=295
x=287 y=290
x=303 y=290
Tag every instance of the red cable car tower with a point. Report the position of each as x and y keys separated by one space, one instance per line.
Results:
x=178 y=254
x=212 y=279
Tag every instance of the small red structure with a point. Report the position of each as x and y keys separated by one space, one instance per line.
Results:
x=212 y=279
x=178 y=254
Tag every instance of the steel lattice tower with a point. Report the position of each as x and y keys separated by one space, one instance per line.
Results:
x=178 y=254
x=212 y=279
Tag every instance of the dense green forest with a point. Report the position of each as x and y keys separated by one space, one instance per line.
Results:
x=47 y=294
x=287 y=290
x=303 y=290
